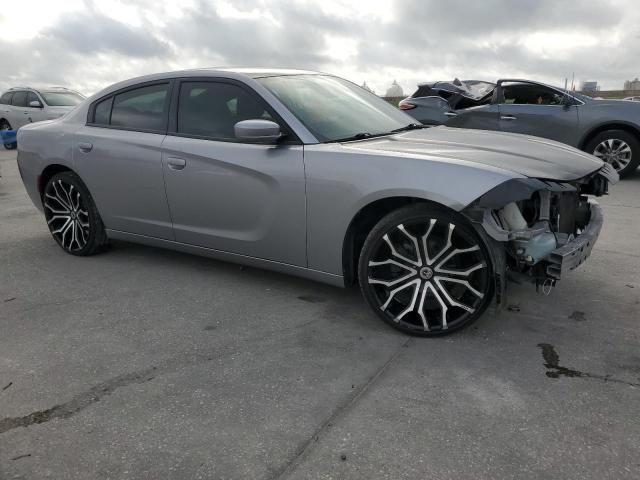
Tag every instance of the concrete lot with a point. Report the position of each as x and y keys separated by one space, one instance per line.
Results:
x=146 y=364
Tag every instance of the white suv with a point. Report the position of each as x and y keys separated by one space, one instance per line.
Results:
x=22 y=105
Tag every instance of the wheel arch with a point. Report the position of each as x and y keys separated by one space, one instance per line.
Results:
x=617 y=125
x=48 y=173
x=364 y=220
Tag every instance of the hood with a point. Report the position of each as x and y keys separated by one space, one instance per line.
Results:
x=526 y=155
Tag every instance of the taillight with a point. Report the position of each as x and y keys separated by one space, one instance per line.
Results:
x=406 y=105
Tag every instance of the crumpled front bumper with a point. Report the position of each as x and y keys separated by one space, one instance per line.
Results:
x=573 y=254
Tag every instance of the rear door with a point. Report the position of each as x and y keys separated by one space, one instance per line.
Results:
x=118 y=155
x=34 y=114
x=227 y=195
x=18 y=113
x=482 y=117
x=535 y=109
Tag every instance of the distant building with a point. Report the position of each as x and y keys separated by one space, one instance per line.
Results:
x=395 y=90
x=590 y=86
x=366 y=87
x=632 y=84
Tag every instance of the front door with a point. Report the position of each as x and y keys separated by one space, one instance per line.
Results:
x=534 y=109
x=227 y=195
x=118 y=156
x=34 y=114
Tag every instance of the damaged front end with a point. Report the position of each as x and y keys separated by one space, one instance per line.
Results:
x=540 y=229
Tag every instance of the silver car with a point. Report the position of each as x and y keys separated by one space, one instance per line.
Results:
x=23 y=105
x=311 y=175
x=608 y=129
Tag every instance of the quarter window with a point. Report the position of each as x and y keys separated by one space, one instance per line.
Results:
x=19 y=99
x=144 y=108
x=6 y=98
x=102 y=113
x=211 y=109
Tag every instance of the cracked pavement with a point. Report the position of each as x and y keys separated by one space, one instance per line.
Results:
x=143 y=363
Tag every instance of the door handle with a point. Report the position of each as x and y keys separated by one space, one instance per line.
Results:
x=451 y=114
x=85 y=147
x=508 y=117
x=175 y=163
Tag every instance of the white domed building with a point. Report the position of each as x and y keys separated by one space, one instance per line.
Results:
x=395 y=90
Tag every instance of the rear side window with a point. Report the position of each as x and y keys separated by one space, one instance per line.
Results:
x=19 y=99
x=143 y=108
x=102 y=113
x=211 y=109
x=6 y=98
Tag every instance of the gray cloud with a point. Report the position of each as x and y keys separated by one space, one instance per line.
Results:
x=420 y=40
x=91 y=32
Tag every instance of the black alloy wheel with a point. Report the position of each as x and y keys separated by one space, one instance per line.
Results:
x=426 y=271
x=71 y=215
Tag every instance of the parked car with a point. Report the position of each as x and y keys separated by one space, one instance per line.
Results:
x=311 y=175
x=632 y=99
x=22 y=105
x=608 y=129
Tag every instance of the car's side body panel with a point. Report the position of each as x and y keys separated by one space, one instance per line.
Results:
x=342 y=180
x=123 y=171
x=555 y=122
x=239 y=198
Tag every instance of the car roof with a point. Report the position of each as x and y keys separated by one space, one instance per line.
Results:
x=238 y=73
x=40 y=89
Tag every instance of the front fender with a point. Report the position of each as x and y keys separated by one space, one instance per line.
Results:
x=341 y=182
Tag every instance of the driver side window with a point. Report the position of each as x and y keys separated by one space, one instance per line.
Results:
x=211 y=109
x=529 y=94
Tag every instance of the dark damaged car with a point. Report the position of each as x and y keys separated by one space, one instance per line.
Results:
x=608 y=129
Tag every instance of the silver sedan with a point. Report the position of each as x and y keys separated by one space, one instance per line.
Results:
x=311 y=175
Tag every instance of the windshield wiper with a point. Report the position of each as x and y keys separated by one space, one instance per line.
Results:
x=411 y=126
x=357 y=136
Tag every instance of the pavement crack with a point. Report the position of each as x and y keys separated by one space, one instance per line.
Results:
x=305 y=448
x=78 y=403
x=555 y=370
x=19 y=457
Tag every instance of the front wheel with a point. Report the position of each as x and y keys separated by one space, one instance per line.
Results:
x=617 y=147
x=71 y=215
x=425 y=271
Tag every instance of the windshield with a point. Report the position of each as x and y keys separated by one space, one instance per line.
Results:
x=62 y=99
x=334 y=109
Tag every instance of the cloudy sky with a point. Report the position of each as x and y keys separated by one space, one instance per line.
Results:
x=89 y=44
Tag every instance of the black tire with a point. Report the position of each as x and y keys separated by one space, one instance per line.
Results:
x=618 y=138
x=424 y=302
x=72 y=216
x=4 y=125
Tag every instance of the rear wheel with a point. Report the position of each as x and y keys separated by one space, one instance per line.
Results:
x=425 y=271
x=71 y=215
x=4 y=125
x=617 y=147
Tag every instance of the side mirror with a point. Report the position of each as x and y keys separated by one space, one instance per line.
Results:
x=257 y=131
x=35 y=104
x=567 y=101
